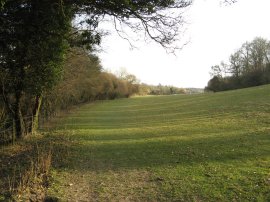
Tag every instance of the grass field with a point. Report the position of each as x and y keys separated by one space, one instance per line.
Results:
x=204 y=147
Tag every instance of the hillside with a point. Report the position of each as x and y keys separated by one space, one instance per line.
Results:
x=199 y=147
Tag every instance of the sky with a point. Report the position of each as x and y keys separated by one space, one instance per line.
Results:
x=213 y=31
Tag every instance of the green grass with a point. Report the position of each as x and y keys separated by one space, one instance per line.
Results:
x=205 y=147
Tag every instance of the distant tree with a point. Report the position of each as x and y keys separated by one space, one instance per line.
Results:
x=236 y=66
x=260 y=53
x=248 y=66
x=125 y=75
x=255 y=61
x=216 y=71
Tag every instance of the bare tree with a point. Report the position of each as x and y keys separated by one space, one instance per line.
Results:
x=160 y=21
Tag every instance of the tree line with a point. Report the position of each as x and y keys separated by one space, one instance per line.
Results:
x=248 y=66
x=145 y=89
x=82 y=80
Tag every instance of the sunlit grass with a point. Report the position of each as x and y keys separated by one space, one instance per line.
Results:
x=206 y=147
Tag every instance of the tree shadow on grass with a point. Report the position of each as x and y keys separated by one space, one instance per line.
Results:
x=98 y=155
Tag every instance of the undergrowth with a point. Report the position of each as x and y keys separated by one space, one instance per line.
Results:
x=24 y=170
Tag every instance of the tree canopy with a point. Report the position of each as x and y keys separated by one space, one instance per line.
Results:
x=159 y=20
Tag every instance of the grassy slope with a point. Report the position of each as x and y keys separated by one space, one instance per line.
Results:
x=207 y=147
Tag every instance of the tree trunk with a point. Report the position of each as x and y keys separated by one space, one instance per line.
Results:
x=19 y=126
x=36 y=110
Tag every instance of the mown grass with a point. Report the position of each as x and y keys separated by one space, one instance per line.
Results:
x=205 y=147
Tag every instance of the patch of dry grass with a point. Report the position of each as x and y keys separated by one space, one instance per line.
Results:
x=24 y=170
